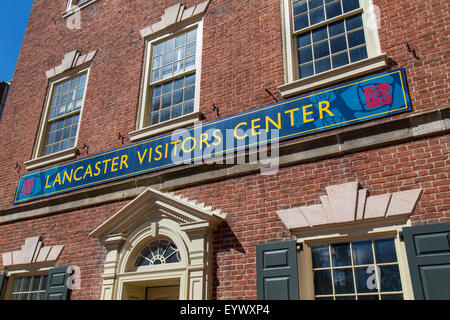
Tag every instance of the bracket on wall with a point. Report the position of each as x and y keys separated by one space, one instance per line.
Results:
x=121 y=137
x=216 y=109
x=17 y=167
x=85 y=146
x=270 y=94
x=413 y=51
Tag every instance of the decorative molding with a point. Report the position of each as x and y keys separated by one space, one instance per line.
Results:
x=345 y=203
x=175 y=14
x=32 y=252
x=152 y=202
x=71 y=60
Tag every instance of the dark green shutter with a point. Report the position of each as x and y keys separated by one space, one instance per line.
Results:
x=276 y=267
x=428 y=251
x=2 y=278
x=57 y=284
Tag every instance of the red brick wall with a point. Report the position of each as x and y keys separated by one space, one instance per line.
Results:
x=251 y=202
x=242 y=55
x=71 y=230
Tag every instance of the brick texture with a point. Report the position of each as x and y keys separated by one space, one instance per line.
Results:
x=242 y=56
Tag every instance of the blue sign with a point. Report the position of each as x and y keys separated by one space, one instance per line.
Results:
x=363 y=100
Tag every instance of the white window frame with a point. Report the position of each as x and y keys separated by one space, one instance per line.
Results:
x=143 y=129
x=38 y=158
x=355 y=232
x=376 y=59
x=73 y=6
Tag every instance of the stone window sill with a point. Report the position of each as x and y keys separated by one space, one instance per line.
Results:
x=51 y=158
x=166 y=126
x=330 y=77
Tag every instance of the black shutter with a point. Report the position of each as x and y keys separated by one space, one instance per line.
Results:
x=428 y=251
x=276 y=267
x=56 y=288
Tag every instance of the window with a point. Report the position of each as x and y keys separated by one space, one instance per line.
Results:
x=57 y=137
x=158 y=252
x=329 y=40
x=170 y=96
x=362 y=270
x=173 y=77
x=64 y=115
x=29 y=287
x=78 y=3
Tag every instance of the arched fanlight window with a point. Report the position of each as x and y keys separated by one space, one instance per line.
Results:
x=158 y=252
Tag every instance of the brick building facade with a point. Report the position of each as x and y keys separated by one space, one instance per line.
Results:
x=372 y=193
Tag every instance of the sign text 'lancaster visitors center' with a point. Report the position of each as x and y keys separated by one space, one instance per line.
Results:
x=366 y=99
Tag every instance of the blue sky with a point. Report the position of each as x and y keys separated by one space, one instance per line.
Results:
x=13 y=21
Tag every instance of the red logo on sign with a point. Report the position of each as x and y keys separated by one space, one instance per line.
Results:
x=378 y=95
x=27 y=187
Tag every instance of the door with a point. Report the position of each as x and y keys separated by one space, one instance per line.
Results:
x=428 y=251
x=163 y=293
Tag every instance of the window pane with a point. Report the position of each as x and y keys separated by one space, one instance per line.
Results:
x=369 y=297
x=188 y=107
x=167 y=87
x=177 y=111
x=322 y=282
x=192 y=36
x=320 y=34
x=166 y=101
x=343 y=281
x=350 y=5
x=356 y=38
x=17 y=284
x=323 y=65
x=304 y=55
x=158 y=49
x=337 y=28
x=36 y=283
x=156 y=103
x=178 y=97
x=190 y=49
x=346 y=298
x=317 y=16
x=304 y=40
x=358 y=54
x=178 y=83
x=301 y=22
x=366 y=280
x=321 y=50
x=338 y=44
x=333 y=10
x=385 y=251
x=354 y=22
x=392 y=297
x=320 y=256
x=340 y=60
x=315 y=3
x=390 y=278
x=306 y=70
x=362 y=252
x=299 y=7
x=190 y=79
x=190 y=62
x=180 y=40
x=341 y=254
x=169 y=44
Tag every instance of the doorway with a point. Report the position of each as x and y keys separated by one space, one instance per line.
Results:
x=163 y=293
x=162 y=289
